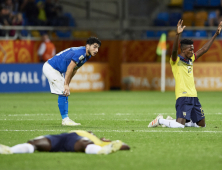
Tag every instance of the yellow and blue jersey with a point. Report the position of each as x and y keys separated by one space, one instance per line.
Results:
x=65 y=142
x=183 y=74
x=91 y=137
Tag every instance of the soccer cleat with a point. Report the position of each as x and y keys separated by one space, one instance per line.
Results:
x=68 y=122
x=155 y=122
x=5 y=149
x=168 y=118
x=110 y=148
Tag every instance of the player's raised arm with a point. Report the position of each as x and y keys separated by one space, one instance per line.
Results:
x=180 y=29
x=206 y=46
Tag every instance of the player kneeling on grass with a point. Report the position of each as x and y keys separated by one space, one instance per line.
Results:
x=188 y=106
x=74 y=141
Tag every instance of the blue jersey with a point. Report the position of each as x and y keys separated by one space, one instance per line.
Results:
x=62 y=60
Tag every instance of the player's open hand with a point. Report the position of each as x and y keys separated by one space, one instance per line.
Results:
x=66 y=90
x=180 y=27
x=219 y=28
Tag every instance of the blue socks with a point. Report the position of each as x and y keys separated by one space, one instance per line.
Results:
x=63 y=106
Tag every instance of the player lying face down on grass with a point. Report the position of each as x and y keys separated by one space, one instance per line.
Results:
x=68 y=62
x=188 y=107
x=74 y=141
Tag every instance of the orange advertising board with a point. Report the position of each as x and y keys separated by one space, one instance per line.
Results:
x=91 y=77
x=208 y=76
x=112 y=52
x=26 y=51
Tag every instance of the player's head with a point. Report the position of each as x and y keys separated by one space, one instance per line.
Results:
x=45 y=37
x=92 y=45
x=187 y=47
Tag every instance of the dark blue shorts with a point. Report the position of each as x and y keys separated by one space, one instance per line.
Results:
x=64 y=142
x=189 y=108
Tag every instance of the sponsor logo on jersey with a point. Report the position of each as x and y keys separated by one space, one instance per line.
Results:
x=81 y=57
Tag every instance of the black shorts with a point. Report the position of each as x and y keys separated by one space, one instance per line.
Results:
x=189 y=108
x=64 y=142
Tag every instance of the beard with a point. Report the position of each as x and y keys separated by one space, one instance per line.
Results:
x=90 y=54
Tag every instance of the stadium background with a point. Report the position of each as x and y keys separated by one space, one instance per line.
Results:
x=128 y=35
x=126 y=75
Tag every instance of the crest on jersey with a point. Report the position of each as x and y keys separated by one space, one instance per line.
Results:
x=184 y=114
x=81 y=57
x=190 y=62
x=189 y=69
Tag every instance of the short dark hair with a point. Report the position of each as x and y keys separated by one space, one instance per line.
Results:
x=185 y=42
x=92 y=40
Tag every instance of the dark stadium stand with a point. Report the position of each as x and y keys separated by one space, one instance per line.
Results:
x=198 y=13
x=34 y=13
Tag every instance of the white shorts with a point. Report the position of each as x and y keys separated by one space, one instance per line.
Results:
x=55 y=78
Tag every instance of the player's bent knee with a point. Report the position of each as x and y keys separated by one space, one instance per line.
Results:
x=181 y=121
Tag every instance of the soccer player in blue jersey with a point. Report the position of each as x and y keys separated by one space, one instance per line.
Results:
x=188 y=106
x=68 y=62
x=74 y=141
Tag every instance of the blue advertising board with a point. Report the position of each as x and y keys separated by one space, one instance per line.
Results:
x=22 y=78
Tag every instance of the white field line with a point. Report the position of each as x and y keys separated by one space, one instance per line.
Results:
x=118 y=114
x=128 y=120
x=120 y=131
x=30 y=119
x=97 y=114
x=38 y=114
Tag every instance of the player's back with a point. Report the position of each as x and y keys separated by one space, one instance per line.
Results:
x=61 y=60
x=184 y=80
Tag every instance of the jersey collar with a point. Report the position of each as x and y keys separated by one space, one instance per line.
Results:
x=187 y=61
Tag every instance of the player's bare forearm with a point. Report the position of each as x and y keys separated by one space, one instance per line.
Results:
x=206 y=46
x=175 y=48
x=70 y=72
x=73 y=74
x=180 y=29
x=68 y=77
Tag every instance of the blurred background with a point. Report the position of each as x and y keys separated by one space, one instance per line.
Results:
x=32 y=30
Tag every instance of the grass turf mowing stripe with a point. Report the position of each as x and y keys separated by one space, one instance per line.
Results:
x=117 y=114
x=149 y=131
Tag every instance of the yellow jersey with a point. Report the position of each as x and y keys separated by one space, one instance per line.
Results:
x=90 y=136
x=183 y=74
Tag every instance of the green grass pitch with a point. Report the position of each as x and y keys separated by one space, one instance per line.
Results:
x=114 y=115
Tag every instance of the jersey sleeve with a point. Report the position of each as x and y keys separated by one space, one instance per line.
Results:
x=193 y=57
x=173 y=62
x=73 y=56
